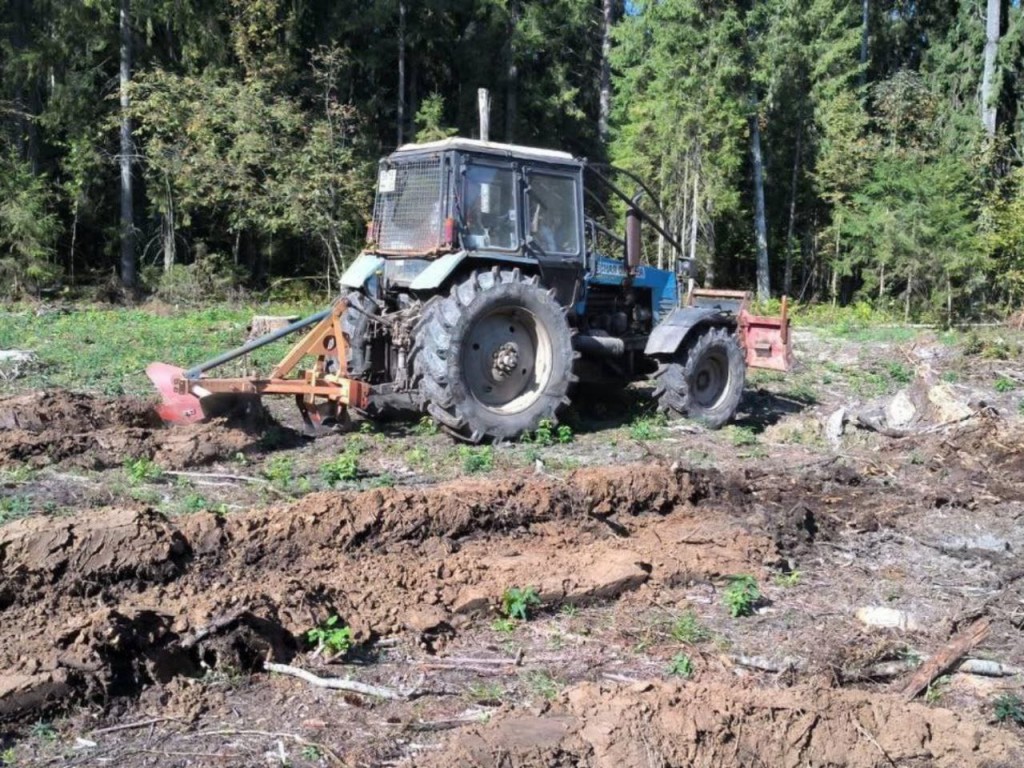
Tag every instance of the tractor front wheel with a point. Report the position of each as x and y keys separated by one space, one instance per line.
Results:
x=493 y=358
x=704 y=380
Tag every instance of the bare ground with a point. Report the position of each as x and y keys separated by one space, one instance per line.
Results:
x=135 y=621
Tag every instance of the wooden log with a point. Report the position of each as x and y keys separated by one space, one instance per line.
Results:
x=945 y=659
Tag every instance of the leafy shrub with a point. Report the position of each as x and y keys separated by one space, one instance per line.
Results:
x=688 y=629
x=516 y=603
x=142 y=470
x=330 y=636
x=741 y=596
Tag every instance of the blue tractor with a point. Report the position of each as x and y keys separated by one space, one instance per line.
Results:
x=482 y=298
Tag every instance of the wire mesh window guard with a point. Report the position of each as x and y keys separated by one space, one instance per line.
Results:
x=408 y=212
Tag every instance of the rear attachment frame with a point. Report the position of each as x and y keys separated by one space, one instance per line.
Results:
x=322 y=392
x=766 y=340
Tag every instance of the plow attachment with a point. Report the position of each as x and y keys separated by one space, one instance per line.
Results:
x=323 y=392
x=766 y=340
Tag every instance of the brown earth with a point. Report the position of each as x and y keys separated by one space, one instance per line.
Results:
x=58 y=427
x=123 y=614
x=714 y=725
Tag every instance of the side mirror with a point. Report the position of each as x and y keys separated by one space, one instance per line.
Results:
x=684 y=268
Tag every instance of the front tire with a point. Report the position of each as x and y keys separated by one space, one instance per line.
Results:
x=494 y=357
x=704 y=380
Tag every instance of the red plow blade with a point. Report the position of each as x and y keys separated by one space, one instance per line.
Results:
x=176 y=408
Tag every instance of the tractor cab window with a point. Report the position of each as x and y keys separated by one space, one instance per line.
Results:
x=552 y=208
x=489 y=208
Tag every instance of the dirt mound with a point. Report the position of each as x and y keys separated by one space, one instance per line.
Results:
x=385 y=561
x=92 y=432
x=705 y=725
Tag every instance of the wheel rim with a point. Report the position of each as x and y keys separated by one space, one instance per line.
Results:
x=507 y=359
x=709 y=379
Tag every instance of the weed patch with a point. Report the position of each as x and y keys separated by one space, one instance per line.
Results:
x=688 y=629
x=741 y=596
x=681 y=666
x=476 y=460
x=342 y=468
x=1009 y=708
x=330 y=636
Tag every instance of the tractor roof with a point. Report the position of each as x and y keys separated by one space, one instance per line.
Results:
x=488 y=147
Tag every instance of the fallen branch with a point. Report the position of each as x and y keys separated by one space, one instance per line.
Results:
x=338 y=683
x=785 y=664
x=218 y=476
x=945 y=659
x=987 y=668
x=129 y=726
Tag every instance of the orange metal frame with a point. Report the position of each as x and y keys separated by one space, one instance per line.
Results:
x=320 y=394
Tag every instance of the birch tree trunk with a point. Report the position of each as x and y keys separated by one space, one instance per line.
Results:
x=760 y=225
x=605 y=96
x=128 y=265
x=988 y=78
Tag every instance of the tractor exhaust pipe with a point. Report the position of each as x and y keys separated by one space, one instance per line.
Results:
x=632 y=240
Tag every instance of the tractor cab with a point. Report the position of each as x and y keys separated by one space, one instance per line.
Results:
x=477 y=199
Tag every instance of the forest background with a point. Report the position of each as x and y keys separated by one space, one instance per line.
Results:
x=843 y=151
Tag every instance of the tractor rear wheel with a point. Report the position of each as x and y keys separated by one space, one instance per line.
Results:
x=356 y=325
x=494 y=357
x=704 y=380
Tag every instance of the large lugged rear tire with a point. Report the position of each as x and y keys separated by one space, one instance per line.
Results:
x=356 y=325
x=494 y=357
x=704 y=380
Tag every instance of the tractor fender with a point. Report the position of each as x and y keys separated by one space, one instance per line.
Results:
x=360 y=270
x=668 y=337
x=443 y=269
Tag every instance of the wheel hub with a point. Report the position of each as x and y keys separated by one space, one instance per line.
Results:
x=505 y=360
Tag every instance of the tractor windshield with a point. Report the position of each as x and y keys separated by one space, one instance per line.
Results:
x=408 y=212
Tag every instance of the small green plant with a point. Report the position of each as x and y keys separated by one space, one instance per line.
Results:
x=542 y=684
x=1020 y=407
x=508 y=626
x=787 y=580
x=310 y=752
x=12 y=507
x=741 y=596
x=681 y=666
x=899 y=373
x=1004 y=384
x=936 y=689
x=564 y=435
x=142 y=470
x=1009 y=708
x=516 y=603
x=417 y=456
x=8 y=758
x=487 y=694
x=545 y=433
x=342 y=468
x=569 y=610
x=740 y=436
x=648 y=427
x=195 y=503
x=383 y=480
x=425 y=427
x=43 y=730
x=280 y=471
x=330 y=636
x=687 y=628
x=367 y=428
x=476 y=460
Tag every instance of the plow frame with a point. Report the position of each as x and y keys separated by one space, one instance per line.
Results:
x=322 y=392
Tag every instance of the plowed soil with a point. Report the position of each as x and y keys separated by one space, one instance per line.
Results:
x=148 y=632
x=49 y=428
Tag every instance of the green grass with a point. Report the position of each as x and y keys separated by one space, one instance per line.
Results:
x=644 y=428
x=687 y=628
x=1009 y=708
x=476 y=460
x=542 y=684
x=106 y=350
x=13 y=507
